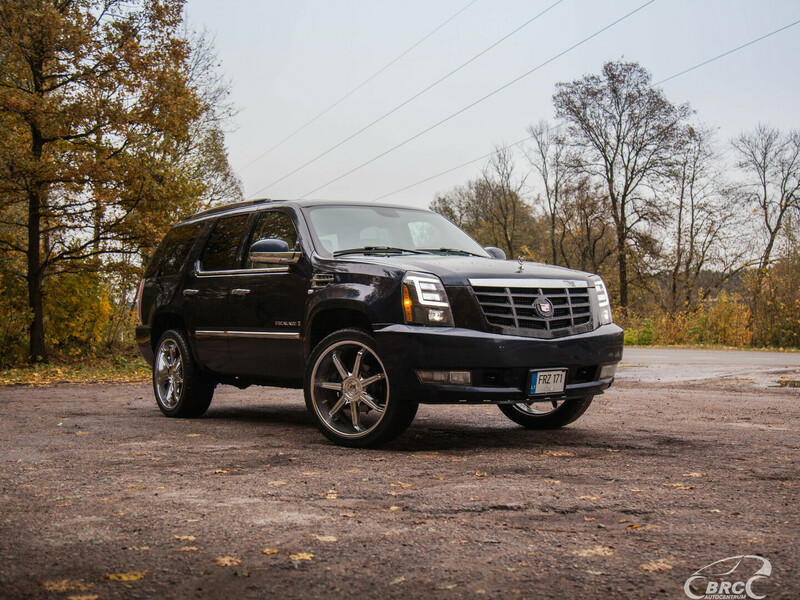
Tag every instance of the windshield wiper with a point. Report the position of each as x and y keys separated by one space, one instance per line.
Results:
x=453 y=251
x=378 y=250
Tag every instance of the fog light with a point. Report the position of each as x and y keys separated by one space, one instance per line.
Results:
x=445 y=377
x=435 y=316
x=460 y=377
x=607 y=371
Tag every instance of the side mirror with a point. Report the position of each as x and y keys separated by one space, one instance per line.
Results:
x=273 y=252
x=496 y=252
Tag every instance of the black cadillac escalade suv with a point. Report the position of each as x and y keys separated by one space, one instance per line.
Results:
x=372 y=309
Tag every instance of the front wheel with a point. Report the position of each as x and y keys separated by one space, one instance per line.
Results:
x=551 y=414
x=348 y=392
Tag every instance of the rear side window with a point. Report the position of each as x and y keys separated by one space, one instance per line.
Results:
x=273 y=225
x=172 y=251
x=222 y=249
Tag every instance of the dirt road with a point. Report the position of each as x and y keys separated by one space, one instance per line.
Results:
x=653 y=483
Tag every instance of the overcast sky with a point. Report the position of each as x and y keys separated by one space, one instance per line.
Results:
x=289 y=60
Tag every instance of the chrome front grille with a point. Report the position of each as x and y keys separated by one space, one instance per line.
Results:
x=520 y=307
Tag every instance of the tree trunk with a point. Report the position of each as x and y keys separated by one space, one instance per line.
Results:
x=622 y=256
x=34 y=276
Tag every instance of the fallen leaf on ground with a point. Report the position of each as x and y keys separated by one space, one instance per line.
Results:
x=277 y=483
x=633 y=526
x=594 y=551
x=589 y=497
x=397 y=580
x=301 y=556
x=585 y=518
x=188 y=549
x=394 y=508
x=480 y=474
x=662 y=564
x=330 y=495
x=228 y=561
x=309 y=473
x=679 y=486
x=66 y=585
x=192 y=435
x=400 y=484
x=326 y=538
x=590 y=572
x=448 y=586
x=220 y=471
x=140 y=548
x=694 y=475
x=353 y=470
x=269 y=551
x=185 y=538
x=129 y=576
x=557 y=453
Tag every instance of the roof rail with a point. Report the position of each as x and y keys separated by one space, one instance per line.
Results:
x=232 y=205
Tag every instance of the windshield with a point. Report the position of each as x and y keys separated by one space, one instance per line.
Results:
x=383 y=229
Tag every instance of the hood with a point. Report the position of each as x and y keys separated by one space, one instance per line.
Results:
x=458 y=270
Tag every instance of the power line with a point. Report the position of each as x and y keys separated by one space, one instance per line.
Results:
x=555 y=127
x=411 y=99
x=486 y=97
x=355 y=89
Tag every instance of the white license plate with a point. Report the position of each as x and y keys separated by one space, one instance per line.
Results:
x=548 y=382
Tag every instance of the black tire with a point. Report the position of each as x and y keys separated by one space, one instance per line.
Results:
x=192 y=389
x=339 y=413
x=570 y=410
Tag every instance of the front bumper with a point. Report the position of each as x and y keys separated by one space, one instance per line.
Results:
x=500 y=364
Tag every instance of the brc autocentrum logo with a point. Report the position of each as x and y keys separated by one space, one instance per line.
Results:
x=732 y=578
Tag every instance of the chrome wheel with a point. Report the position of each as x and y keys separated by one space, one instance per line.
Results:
x=539 y=409
x=169 y=374
x=349 y=389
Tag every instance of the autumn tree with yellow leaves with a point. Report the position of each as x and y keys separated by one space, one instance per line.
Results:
x=110 y=130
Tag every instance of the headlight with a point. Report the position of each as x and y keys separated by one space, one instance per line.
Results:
x=603 y=302
x=425 y=301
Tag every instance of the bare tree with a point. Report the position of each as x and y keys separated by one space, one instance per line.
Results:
x=706 y=214
x=506 y=210
x=771 y=162
x=630 y=132
x=555 y=164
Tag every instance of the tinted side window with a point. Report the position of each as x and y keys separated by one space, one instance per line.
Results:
x=220 y=252
x=171 y=252
x=274 y=225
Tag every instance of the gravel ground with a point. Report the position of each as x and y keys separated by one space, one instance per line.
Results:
x=654 y=482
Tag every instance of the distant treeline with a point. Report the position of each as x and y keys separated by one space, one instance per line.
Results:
x=697 y=238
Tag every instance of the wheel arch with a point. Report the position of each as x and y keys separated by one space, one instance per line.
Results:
x=162 y=323
x=331 y=318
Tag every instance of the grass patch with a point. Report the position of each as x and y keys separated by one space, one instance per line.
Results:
x=93 y=370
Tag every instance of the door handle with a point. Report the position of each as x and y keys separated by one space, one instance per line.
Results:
x=239 y=292
x=188 y=293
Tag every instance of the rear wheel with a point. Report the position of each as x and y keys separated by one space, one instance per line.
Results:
x=181 y=388
x=551 y=414
x=348 y=392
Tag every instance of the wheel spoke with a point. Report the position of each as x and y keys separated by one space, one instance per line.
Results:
x=339 y=366
x=370 y=401
x=370 y=380
x=357 y=364
x=354 y=415
x=331 y=385
x=338 y=406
